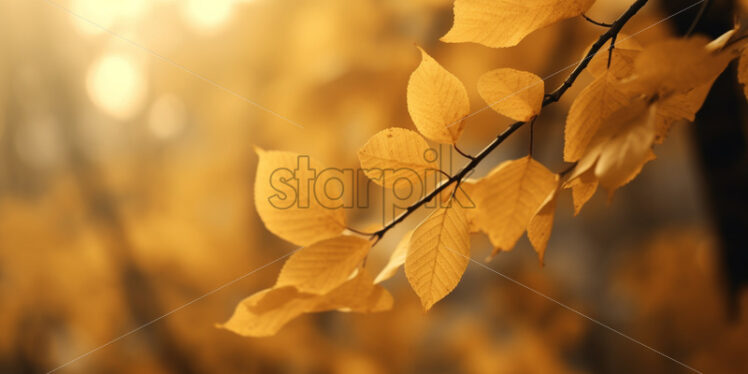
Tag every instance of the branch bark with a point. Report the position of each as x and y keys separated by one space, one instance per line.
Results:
x=549 y=99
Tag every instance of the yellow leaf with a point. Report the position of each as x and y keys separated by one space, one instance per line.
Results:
x=629 y=144
x=286 y=200
x=323 y=266
x=467 y=186
x=582 y=189
x=541 y=224
x=621 y=60
x=504 y=23
x=593 y=105
x=508 y=197
x=619 y=150
x=513 y=93
x=397 y=259
x=679 y=106
x=358 y=294
x=437 y=101
x=439 y=253
x=403 y=153
x=675 y=65
x=266 y=312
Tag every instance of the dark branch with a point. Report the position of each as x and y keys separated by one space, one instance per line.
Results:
x=551 y=98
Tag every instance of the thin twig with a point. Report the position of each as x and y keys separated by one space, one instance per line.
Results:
x=548 y=100
x=463 y=154
x=532 y=133
x=592 y=21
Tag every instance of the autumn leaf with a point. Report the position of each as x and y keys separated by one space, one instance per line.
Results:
x=675 y=65
x=437 y=101
x=541 y=224
x=504 y=23
x=266 y=312
x=402 y=152
x=679 y=106
x=358 y=294
x=621 y=147
x=397 y=259
x=513 y=93
x=439 y=253
x=291 y=211
x=621 y=59
x=583 y=188
x=323 y=266
x=626 y=151
x=590 y=108
x=508 y=197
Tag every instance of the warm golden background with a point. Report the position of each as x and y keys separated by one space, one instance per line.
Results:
x=126 y=191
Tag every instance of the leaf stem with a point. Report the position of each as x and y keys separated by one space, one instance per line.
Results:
x=597 y=23
x=463 y=154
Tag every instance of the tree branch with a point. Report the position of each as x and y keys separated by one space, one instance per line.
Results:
x=549 y=99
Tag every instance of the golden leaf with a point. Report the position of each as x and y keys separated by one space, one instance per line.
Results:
x=287 y=207
x=397 y=259
x=627 y=148
x=679 y=106
x=437 y=101
x=675 y=65
x=504 y=23
x=593 y=105
x=323 y=266
x=621 y=60
x=541 y=224
x=401 y=151
x=620 y=149
x=513 y=93
x=438 y=254
x=266 y=312
x=359 y=294
x=508 y=197
x=582 y=189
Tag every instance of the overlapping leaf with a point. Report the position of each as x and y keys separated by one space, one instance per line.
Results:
x=593 y=105
x=504 y=23
x=508 y=197
x=292 y=211
x=396 y=154
x=325 y=265
x=437 y=101
x=513 y=93
x=397 y=259
x=541 y=223
x=438 y=255
x=266 y=312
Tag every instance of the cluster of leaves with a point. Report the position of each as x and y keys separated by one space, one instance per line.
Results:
x=614 y=123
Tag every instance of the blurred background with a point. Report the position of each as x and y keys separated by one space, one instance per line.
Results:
x=126 y=191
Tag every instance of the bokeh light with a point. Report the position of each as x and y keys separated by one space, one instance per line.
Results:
x=116 y=84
